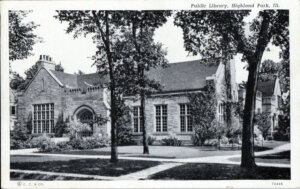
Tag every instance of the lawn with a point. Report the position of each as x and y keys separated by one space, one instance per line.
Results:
x=282 y=157
x=30 y=158
x=26 y=176
x=176 y=152
x=101 y=167
x=192 y=171
x=170 y=152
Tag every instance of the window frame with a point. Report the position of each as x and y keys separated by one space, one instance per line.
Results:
x=43 y=118
x=138 y=117
x=221 y=110
x=187 y=117
x=163 y=118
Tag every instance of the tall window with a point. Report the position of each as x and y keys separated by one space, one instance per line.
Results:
x=137 y=119
x=185 y=118
x=13 y=110
x=43 y=118
x=221 y=112
x=161 y=116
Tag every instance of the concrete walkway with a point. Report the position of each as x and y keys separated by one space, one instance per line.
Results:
x=167 y=163
x=143 y=174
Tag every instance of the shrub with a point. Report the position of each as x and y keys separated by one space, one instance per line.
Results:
x=19 y=137
x=89 y=143
x=151 y=140
x=224 y=140
x=37 y=142
x=125 y=136
x=171 y=141
x=77 y=143
x=64 y=146
x=263 y=122
x=44 y=144
x=18 y=144
x=75 y=128
x=211 y=142
x=48 y=146
x=234 y=140
x=60 y=126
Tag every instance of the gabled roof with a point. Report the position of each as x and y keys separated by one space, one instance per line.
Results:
x=88 y=80
x=183 y=75
x=69 y=80
x=266 y=87
x=79 y=81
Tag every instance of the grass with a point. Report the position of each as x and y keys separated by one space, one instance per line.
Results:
x=281 y=157
x=87 y=166
x=192 y=171
x=29 y=176
x=170 y=152
x=31 y=158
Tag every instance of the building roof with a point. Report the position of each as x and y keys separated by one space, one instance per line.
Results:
x=179 y=76
x=183 y=75
x=69 y=80
x=89 y=80
x=266 y=87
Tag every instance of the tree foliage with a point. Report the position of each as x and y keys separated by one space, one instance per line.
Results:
x=203 y=113
x=263 y=121
x=140 y=52
x=105 y=29
x=21 y=35
x=59 y=68
x=219 y=34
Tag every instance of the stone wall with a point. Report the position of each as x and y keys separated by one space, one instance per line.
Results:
x=44 y=89
x=173 y=120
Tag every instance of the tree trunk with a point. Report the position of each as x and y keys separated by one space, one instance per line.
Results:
x=247 y=140
x=228 y=94
x=142 y=91
x=143 y=118
x=114 y=149
x=248 y=159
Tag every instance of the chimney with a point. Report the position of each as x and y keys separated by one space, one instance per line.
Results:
x=47 y=62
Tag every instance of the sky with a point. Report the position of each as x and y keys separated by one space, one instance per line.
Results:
x=74 y=54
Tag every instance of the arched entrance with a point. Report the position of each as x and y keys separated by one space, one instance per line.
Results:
x=85 y=114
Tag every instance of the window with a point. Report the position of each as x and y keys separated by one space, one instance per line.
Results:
x=278 y=101
x=137 y=119
x=221 y=112
x=43 y=118
x=43 y=84
x=161 y=113
x=185 y=118
x=13 y=110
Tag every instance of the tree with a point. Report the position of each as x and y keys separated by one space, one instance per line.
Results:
x=59 y=68
x=105 y=28
x=221 y=34
x=18 y=83
x=147 y=54
x=21 y=36
x=263 y=121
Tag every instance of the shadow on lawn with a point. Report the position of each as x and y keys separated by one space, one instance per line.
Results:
x=101 y=167
x=280 y=155
x=208 y=171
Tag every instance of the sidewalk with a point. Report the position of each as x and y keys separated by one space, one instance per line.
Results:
x=210 y=159
x=143 y=174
